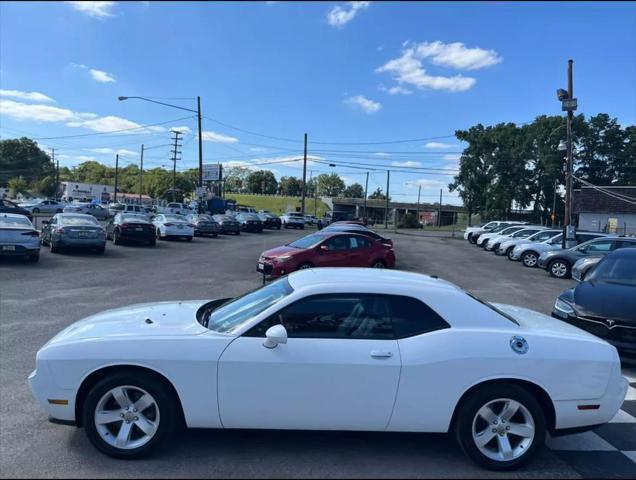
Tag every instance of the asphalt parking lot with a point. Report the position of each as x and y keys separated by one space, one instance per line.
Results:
x=38 y=300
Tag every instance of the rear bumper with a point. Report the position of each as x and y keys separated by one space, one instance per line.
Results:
x=178 y=232
x=206 y=230
x=80 y=242
x=19 y=250
x=137 y=236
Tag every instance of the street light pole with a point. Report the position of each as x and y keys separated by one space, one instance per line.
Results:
x=366 y=186
x=200 y=203
x=386 y=208
x=141 y=174
x=304 y=177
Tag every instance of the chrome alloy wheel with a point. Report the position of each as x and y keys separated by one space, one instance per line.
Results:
x=503 y=429
x=558 y=269
x=127 y=417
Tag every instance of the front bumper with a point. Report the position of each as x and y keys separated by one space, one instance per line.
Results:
x=44 y=389
x=542 y=262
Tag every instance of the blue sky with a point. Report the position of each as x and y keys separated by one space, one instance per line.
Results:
x=344 y=72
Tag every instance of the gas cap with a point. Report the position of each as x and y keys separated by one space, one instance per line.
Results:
x=519 y=345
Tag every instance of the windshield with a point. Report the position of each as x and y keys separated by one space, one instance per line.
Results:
x=509 y=230
x=620 y=270
x=77 y=220
x=15 y=222
x=498 y=228
x=231 y=316
x=522 y=234
x=307 y=242
x=541 y=236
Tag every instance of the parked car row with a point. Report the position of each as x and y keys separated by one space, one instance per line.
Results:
x=341 y=244
x=604 y=302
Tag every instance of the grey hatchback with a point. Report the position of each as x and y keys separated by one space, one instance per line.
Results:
x=559 y=263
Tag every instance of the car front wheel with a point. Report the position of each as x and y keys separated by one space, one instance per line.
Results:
x=559 y=269
x=126 y=416
x=500 y=427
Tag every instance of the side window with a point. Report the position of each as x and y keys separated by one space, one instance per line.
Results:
x=623 y=244
x=582 y=237
x=337 y=243
x=412 y=317
x=599 y=246
x=340 y=316
x=360 y=242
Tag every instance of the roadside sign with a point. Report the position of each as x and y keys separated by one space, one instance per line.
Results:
x=568 y=104
x=211 y=172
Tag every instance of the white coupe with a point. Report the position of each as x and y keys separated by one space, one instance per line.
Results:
x=331 y=349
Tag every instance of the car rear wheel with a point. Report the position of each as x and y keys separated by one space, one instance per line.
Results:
x=529 y=259
x=189 y=239
x=158 y=234
x=559 y=269
x=509 y=252
x=500 y=427
x=126 y=416
x=52 y=247
x=33 y=258
x=101 y=250
x=305 y=266
x=36 y=210
x=116 y=239
x=378 y=264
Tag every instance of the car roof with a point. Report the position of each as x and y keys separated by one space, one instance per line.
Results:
x=624 y=253
x=13 y=215
x=360 y=276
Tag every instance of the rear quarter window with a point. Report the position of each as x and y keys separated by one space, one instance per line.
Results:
x=411 y=317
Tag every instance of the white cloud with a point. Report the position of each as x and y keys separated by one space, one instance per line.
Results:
x=121 y=151
x=32 y=96
x=102 y=76
x=368 y=106
x=457 y=55
x=438 y=145
x=382 y=154
x=215 y=137
x=397 y=90
x=94 y=9
x=183 y=129
x=42 y=113
x=80 y=158
x=338 y=17
x=408 y=163
x=452 y=157
x=109 y=123
x=408 y=69
x=426 y=183
x=258 y=149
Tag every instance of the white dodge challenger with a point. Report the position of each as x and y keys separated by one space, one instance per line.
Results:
x=331 y=349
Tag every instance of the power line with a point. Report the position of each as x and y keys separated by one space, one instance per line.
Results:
x=249 y=132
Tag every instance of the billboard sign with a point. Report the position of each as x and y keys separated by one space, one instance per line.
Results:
x=211 y=172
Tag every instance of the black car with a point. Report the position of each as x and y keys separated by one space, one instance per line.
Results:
x=131 y=227
x=7 y=206
x=270 y=220
x=605 y=303
x=250 y=222
x=228 y=224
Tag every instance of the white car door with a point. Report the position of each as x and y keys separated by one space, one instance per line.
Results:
x=339 y=369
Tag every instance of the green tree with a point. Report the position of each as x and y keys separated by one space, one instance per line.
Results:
x=355 y=190
x=262 y=181
x=290 y=186
x=236 y=179
x=17 y=185
x=626 y=168
x=330 y=185
x=23 y=158
x=378 y=195
x=598 y=157
x=45 y=187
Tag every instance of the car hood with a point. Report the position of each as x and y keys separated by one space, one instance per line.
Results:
x=609 y=301
x=166 y=319
x=280 y=251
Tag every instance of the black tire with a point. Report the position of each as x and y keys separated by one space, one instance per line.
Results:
x=529 y=259
x=166 y=404
x=278 y=228
x=59 y=210
x=189 y=239
x=52 y=247
x=305 y=265
x=560 y=268
x=378 y=264
x=152 y=243
x=214 y=235
x=238 y=233
x=467 y=411
x=472 y=239
x=158 y=235
x=116 y=239
x=101 y=250
x=509 y=252
x=33 y=258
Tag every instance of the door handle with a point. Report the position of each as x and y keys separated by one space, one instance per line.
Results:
x=381 y=354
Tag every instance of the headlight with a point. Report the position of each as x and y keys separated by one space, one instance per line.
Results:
x=563 y=306
x=283 y=258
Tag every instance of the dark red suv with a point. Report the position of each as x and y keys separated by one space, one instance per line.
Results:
x=326 y=249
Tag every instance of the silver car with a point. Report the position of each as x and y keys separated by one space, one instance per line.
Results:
x=527 y=235
x=44 y=206
x=583 y=266
x=18 y=237
x=73 y=230
x=97 y=211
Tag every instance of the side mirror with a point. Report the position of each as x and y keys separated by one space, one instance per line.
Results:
x=324 y=248
x=582 y=249
x=275 y=335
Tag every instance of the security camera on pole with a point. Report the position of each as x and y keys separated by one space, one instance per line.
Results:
x=568 y=104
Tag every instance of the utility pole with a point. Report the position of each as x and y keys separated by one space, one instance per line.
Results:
x=57 y=173
x=304 y=177
x=567 y=220
x=199 y=203
x=439 y=212
x=116 y=174
x=366 y=186
x=417 y=214
x=386 y=207
x=141 y=173
x=554 y=203
x=174 y=161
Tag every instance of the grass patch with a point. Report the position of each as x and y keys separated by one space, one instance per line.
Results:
x=278 y=205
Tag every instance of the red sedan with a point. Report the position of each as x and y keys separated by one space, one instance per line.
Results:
x=326 y=249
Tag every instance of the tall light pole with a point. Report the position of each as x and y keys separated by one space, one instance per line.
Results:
x=141 y=173
x=569 y=104
x=304 y=177
x=198 y=112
